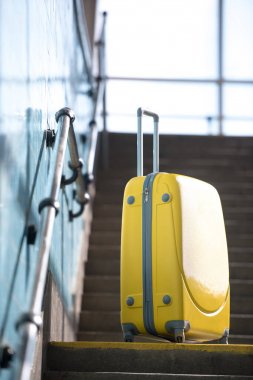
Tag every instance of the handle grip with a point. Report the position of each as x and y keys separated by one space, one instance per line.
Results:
x=155 y=117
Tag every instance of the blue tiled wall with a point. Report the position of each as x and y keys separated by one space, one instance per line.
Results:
x=41 y=71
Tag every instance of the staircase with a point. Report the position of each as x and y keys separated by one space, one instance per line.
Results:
x=225 y=162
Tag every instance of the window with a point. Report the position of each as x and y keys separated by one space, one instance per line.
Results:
x=191 y=61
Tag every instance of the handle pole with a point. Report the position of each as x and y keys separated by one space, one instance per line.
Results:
x=139 y=144
x=155 y=117
x=155 y=148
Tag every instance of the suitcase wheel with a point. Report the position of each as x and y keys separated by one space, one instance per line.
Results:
x=179 y=335
x=128 y=337
x=129 y=330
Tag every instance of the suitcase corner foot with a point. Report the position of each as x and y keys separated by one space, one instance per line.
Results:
x=179 y=336
x=177 y=330
x=224 y=338
x=129 y=330
x=129 y=337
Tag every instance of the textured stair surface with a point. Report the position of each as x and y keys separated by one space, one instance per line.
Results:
x=135 y=376
x=225 y=162
x=140 y=360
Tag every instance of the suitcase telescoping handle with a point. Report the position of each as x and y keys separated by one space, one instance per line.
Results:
x=155 y=117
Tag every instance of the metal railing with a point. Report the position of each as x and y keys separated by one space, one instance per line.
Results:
x=30 y=322
x=98 y=98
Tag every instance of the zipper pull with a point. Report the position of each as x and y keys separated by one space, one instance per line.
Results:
x=146 y=194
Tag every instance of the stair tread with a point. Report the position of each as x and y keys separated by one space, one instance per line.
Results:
x=71 y=375
x=163 y=357
x=241 y=281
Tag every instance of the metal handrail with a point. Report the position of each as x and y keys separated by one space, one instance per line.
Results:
x=29 y=323
x=84 y=41
x=98 y=97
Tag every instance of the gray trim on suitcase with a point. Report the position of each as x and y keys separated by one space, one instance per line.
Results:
x=148 y=309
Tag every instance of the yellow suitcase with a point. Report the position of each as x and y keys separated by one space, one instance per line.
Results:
x=174 y=260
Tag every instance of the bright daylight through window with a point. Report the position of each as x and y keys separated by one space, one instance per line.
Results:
x=189 y=60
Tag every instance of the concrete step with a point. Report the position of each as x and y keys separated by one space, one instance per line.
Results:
x=243 y=238
x=241 y=216
x=150 y=357
x=112 y=224
x=100 y=336
x=105 y=237
x=241 y=324
x=107 y=210
x=103 y=267
x=100 y=321
x=240 y=254
x=241 y=339
x=242 y=305
x=241 y=288
x=104 y=251
x=103 y=284
x=234 y=198
x=53 y=375
x=242 y=270
x=237 y=227
x=101 y=302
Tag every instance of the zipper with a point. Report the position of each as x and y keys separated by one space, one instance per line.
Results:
x=148 y=310
x=146 y=195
